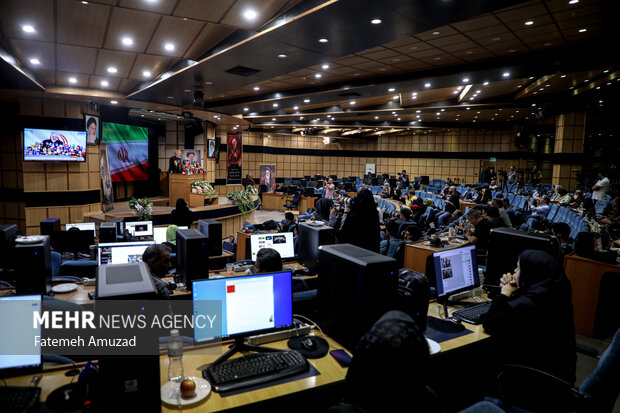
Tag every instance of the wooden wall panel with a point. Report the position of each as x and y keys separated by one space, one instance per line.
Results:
x=56 y=181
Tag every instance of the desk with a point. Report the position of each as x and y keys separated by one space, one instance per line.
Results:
x=416 y=254
x=585 y=277
x=465 y=205
x=276 y=201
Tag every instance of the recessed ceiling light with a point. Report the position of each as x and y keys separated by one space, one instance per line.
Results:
x=352 y=102
x=398 y=119
x=583 y=30
x=306 y=100
x=427 y=85
x=28 y=28
x=296 y=108
x=563 y=76
x=456 y=92
x=275 y=105
x=471 y=98
x=325 y=67
x=273 y=119
x=606 y=71
x=127 y=41
x=418 y=111
x=282 y=56
x=465 y=79
x=114 y=102
x=245 y=109
x=323 y=40
x=170 y=97
x=395 y=97
x=573 y=2
x=105 y=83
x=84 y=2
x=437 y=113
x=250 y=14
x=376 y=21
x=256 y=88
x=72 y=80
x=506 y=74
x=587 y=80
x=436 y=33
x=485 y=84
x=169 y=47
x=529 y=22
x=35 y=61
x=146 y=73
x=391 y=89
x=376 y=117
x=318 y=75
x=112 y=69
x=467 y=108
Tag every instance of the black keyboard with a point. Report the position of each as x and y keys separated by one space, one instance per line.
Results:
x=473 y=314
x=14 y=399
x=254 y=369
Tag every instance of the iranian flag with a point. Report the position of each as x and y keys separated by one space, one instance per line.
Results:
x=128 y=151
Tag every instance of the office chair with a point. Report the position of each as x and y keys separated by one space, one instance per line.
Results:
x=293 y=203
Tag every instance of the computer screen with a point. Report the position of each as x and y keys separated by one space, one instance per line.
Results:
x=456 y=270
x=19 y=352
x=283 y=242
x=250 y=304
x=159 y=234
x=83 y=226
x=121 y=252
x=140 y=228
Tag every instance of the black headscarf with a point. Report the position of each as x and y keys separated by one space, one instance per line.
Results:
x=361 y=227
x=181 y=215
x=535 y=324
x=393 y=348
x=323 y=207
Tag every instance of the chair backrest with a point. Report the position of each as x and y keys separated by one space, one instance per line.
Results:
x=296 y=198
x=552 y=211
x=601 y=206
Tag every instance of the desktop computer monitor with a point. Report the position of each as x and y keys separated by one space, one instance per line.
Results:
x=252 y=304
x=505 y=246
x=311 y=237
x=159 y=234
x=7 y=242
x=455 y=270
x=283 y=242
x=355 y=288
x=73 y=241
x=121 y=252
x=140 y=228
x=83 y=226
x=19 y=355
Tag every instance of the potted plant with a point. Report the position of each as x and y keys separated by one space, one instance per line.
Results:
x=142 y=207
x=243 y=200
x=204 y=188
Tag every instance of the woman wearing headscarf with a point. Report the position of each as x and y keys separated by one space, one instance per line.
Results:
x=181 y=215
x=532 y=318
x=323 y=206
x=171 y=238
x=361 y=223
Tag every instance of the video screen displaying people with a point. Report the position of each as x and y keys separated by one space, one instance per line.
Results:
x=54 y=145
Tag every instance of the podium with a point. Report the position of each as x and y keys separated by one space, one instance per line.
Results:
x=180 y=186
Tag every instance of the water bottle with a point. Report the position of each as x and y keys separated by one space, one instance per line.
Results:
x=175 y=357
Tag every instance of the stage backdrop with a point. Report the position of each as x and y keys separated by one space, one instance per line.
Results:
x=268 y=176
x=128 y=151
x=234 y=170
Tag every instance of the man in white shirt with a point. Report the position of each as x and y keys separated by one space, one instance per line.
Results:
x=599 y=191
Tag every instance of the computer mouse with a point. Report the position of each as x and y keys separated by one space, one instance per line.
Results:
x=308 y=344
x=453 y=320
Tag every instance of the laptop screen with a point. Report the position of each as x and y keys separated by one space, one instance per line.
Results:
x=140 y=228
x=121 y=252
x=19 y=352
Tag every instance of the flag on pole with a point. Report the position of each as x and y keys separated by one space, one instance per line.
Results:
x=128 y=151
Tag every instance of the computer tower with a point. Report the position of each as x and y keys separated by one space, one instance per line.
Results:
x=355 y=288
x=309 y=240
x=505 y=246
x=213 y=230
x=120 y=225
x=49 y=225
x=7 y=241
x=33 y=267
x=107 y=232
x=192 y=256
x=130 y=383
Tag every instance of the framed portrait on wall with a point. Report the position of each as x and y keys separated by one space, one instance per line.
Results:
x=93 y=129
x=210 y=148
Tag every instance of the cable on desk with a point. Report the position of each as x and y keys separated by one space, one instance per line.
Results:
x=318 y=328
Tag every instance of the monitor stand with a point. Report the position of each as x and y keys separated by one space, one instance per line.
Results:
x=240 y=346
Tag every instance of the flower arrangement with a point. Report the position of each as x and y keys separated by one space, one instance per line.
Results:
x=191 y=168
x=205 y=188
x=142 y=207
x=243 y=200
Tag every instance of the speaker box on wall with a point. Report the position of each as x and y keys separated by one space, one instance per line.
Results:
x=213 y=230
x=49 y=225
x=192 y=256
